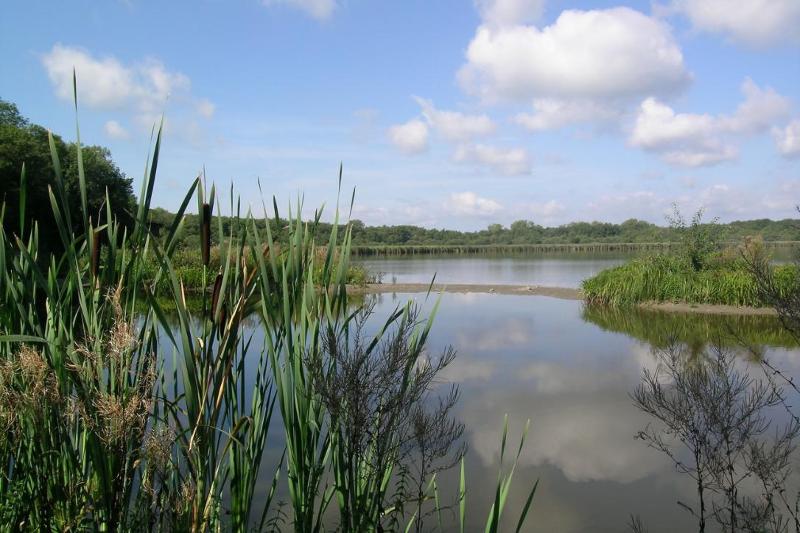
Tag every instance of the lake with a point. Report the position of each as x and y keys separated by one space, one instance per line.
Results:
x=550 y=270
x=570 y=371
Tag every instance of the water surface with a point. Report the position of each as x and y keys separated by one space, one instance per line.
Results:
x=549 y=270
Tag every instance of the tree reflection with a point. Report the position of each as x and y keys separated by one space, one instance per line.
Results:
x=714 y=423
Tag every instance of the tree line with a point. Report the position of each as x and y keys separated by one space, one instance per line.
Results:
x=22 y=142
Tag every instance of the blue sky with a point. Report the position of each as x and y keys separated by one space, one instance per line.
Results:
x=444 y=113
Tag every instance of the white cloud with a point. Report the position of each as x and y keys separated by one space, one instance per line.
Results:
x=104 y=83
x=754 y=22
x=547 y=210
x=595 y=55
x=759 y=110
x=411 y=137
x=509 y=12
x=115 y=130
x=205 y=108
x=508 y=161
x=787 y=139
x=453 y=125
x=470 y=204
x=319 y=9
x=552 y=113
x=689 y=139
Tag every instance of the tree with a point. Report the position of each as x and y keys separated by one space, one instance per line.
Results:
x=23 y=143
x=102 y=175
x=697 y=238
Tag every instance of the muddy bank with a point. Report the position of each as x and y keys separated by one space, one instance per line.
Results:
x=563 y=293
x=533 y=290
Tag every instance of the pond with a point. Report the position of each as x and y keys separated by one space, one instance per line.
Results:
x=549 y=270
x=570 y=370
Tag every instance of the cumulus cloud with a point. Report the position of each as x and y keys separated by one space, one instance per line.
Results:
x=470 y=204
x=689 y=139
x=753 y=22
x=453 y=125
x=319 y=9
x=508 y=161
x=787 y=139
x=411 y=137
x=509 y=12
x=595 y=55
x=105 y=83
x=546 y=210
x=552 y=113
x=115 y=130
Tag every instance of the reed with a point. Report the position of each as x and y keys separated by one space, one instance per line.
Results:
x=671 y=278
x=554 y=248
x=127 y=406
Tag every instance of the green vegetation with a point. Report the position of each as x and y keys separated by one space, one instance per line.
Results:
x=30 y=144
x=697 y=273
x=522 y=236
x=117 y=418
x=670 y=278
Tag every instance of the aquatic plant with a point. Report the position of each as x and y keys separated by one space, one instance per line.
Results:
x=672 y=278
x=128 y=406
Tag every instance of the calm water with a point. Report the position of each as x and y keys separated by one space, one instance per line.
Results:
x=570 y=371
x=563 y=270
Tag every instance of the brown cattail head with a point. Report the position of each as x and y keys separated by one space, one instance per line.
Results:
x=205 y=233
x=95 y=253
x=216 y=294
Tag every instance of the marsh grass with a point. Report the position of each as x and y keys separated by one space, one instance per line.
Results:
x=672 y=278
x=129 y=406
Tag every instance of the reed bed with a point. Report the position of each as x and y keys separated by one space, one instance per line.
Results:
x=510 y=249
x=671 y=278
x=126 y=408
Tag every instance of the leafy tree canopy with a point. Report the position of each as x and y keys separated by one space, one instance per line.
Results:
x=22 y=142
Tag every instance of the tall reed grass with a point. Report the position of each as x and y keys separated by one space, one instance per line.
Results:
x=671 y=278
x=126 y=407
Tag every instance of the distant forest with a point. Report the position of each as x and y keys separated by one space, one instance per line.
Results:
x=24 y=142
x=520 y=232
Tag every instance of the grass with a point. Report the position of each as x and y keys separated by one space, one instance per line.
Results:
x=126 y=406
x=188 y=266
x=725 y=280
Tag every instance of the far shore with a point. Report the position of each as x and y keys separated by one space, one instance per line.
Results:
x=563 y=293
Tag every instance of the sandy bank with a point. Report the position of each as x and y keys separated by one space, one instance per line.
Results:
x=563 y=293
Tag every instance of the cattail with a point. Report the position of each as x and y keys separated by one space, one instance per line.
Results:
x=216 y=294
x=205 y=233
x=95 y=252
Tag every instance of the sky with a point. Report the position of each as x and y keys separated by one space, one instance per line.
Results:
x=444 y=113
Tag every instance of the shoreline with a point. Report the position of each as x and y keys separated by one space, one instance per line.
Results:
x=562 y=293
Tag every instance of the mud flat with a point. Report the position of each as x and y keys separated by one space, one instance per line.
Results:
x=563 y=293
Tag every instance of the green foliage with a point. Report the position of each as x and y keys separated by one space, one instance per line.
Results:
x=697 y=239
x=29 y=144
x=118 y=416
x=522 y=233
x=674 y=278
